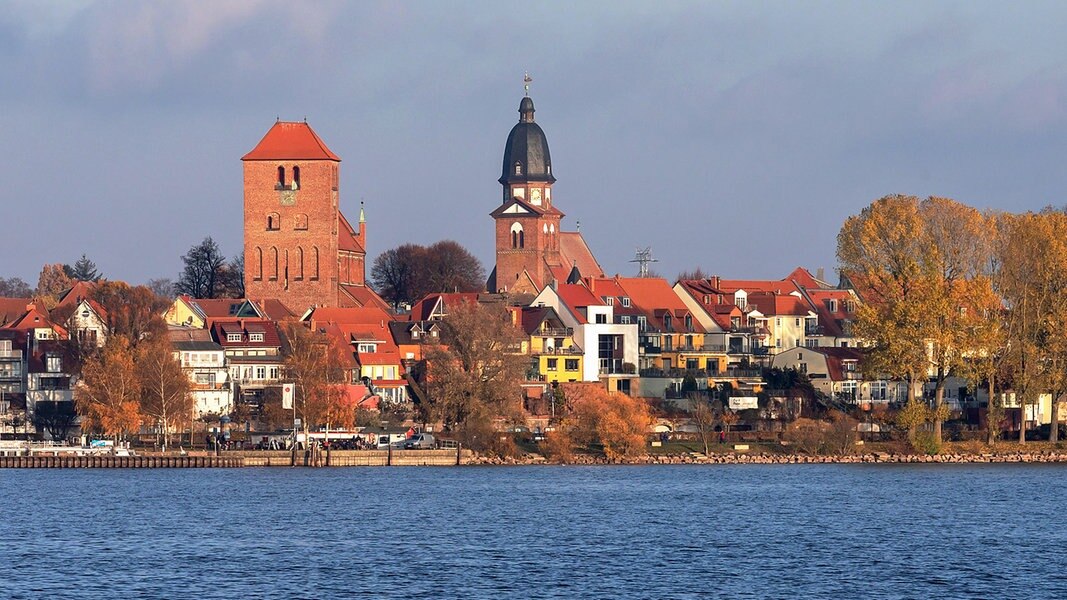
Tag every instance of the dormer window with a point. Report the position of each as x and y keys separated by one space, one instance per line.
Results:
x=255 y=337
x=518 y=168
x=626 y=302
x=850 y=306
x=610 y=300
x=832 y=305
x=688 y=323
x=707 y=299
x=233 y=337
x=667 y=322
x=642 y=323
x=366 y=348
x=53 y=363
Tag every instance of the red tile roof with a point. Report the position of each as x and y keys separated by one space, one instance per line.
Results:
x=290 y=141
x=347 y=238
x=220 y=328
x=575 y=251
x=363 y=296
x=80 y=290
x=424 y=309
x=577 y=296
x=13 y=308
x=34 y=318
x=779 y=304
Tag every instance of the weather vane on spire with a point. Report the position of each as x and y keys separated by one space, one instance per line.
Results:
x=526 y=80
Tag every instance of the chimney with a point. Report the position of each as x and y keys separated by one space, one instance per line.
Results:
x=820 y=273
x=715 y=282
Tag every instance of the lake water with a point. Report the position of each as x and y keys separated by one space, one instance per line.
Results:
x=785 y=531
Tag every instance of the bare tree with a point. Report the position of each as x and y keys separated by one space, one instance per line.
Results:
x=165 y=389
x=14 y=287
x=202 y=275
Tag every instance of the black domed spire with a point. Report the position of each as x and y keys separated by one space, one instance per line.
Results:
x=526 y=156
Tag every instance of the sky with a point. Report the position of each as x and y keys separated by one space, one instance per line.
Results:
x=733 y=136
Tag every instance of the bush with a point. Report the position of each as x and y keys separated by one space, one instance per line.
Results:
x=807 y=435
x=558 y=446
x=925 y=442
x=615 y=421
x=840 y=437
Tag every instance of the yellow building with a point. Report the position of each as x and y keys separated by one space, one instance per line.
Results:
x=554 y=355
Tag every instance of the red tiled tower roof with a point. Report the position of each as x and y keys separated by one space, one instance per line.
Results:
x=291 y=141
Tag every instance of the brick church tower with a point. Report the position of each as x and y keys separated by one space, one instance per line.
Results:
x=299 y=248
x=527 y=224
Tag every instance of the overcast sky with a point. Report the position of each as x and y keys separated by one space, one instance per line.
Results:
x=732 y=136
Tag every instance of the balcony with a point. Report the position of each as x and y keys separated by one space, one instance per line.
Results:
x=555 y=332
x=572 y=351
x=11 y=354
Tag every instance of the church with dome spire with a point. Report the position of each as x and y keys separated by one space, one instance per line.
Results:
x=532 y=250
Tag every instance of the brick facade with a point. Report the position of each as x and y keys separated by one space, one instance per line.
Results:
x=292 y=226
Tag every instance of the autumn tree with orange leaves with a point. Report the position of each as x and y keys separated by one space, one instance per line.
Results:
x=108 y=395
x=596 y=417
x=921 y=267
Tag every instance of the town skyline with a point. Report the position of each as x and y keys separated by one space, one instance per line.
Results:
x=750 y=118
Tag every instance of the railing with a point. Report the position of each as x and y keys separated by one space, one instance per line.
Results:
x=572 y=351
x=555 y=332
x=11 y=354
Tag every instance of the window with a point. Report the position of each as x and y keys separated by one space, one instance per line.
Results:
x=274 y=372
x=518 y=238
x=281 y=177
x=255 y=337
x=797 y=323
x=261 y=372
x=850 y=306
x=879 y=390
x=778 y=343
x=571 y=364
x=233 y=337
x=366 y=348
x=778 y=322
x=707 y=299
x=625 y=319
x=689 y=322
x=551 y=364
x=274 y=222
x=626 y=302
x=296 y=178
x=642 y=323
x=610 y=300
x=667 y=323
x=301 y=222
x=601 y=318
x=53 y=363
x=802 y=367
x=518 y=168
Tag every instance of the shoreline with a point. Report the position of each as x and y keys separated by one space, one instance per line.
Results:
x=443 y=458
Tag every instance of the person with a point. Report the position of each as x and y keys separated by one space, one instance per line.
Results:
x=722 y=436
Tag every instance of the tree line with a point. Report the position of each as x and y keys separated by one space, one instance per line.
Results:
x=951 y=291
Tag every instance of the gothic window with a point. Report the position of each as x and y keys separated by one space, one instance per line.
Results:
x=296 y=178
x=299 y=272
x=274 y=222
x=273 y=263
x=314 y=262
x=259 y=263
x=517 y=236
x=301 y=222
x=281 y=177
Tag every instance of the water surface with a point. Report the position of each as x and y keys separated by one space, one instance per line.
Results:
x=730 y=531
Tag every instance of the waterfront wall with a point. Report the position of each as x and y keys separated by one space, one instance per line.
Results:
x=119 y=462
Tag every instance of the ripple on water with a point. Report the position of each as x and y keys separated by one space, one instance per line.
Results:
x=808 y=531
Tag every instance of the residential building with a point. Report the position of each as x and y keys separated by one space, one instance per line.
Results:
x=253 y=351
x=554 y=356
x=204 y=361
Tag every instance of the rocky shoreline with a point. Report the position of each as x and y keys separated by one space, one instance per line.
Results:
x=778 y=459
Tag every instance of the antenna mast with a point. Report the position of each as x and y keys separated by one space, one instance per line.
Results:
x=643 y=258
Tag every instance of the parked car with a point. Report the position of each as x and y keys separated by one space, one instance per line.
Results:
x=422 y=441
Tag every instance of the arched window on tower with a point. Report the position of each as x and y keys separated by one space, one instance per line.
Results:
x=517 y=236
x=281 y=177
x=301 y=222
x=259 y=264
x=273 y=263
x=314 y=262
x=274 y=222
x=298 y=274
x=296 y=178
